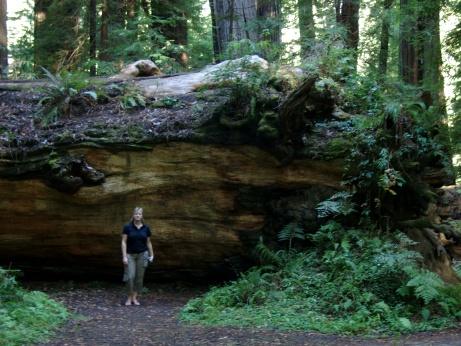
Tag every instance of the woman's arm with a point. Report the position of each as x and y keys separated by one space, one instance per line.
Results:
x=149 y=246
x=124 y=256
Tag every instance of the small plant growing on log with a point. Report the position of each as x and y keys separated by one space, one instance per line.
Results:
x=131 y=97
x=246 y=79
x=64 y=96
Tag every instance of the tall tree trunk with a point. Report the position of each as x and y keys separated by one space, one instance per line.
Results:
x=347 y=14
x=384 y=42
x=235 y=20
x=104 y=31
x=40 y=30
x=268 y=16
x=421 y=58
x=306 y=25
x=3 y=41
x=216 y=51
x=92 y=21
x=432 y=58
x=409 y=62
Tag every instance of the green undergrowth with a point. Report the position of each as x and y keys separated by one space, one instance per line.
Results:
x=26 y=317
x=349 y=282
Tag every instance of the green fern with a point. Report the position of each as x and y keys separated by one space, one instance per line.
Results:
x=290 y=232
x=268 y=256
x=424 y=284
x=338 y=204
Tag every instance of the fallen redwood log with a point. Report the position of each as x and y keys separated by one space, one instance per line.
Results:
x=206 y=204
x=211 y=185
x=209 y=191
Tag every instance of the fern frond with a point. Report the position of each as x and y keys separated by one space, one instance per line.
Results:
x=268 y=256
x=338 y=204
x=426 y=286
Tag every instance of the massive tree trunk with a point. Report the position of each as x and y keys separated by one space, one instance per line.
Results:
x=347 y=14
x=409 y=54
x=420 y=49
x=306 y=25
x=3 y=41
x=214 y=29
x=41 y=55
x=92 y=21
x=432 y=58
x=252 y=20
x=233 y=19
x=208 y=202
x=384 y=42
x=268 y=17
x=104 y=31
x=210 y=188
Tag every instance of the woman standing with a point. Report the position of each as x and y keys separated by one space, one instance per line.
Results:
x=137 y=251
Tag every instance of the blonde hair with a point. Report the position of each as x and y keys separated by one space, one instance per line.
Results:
x=135 y=210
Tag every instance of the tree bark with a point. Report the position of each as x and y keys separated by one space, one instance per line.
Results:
x=268 y=16
x=104 y=31
x=3 y=41
x=347 y=14
x=306 y=25
x=409 y=64
x=420 y=49
x=252 y=20
x=384 y=42
x=216 y=51
x=232 y=21
x=432 y=56
x=40 y=17
x=92 y=20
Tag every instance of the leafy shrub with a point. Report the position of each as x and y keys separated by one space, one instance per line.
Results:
x=349 y=282
x=131 y=97
x=64 y=95
x=246 y=81
x=26 y=317
x=290 y=232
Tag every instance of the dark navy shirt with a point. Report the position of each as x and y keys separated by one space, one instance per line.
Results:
x=136 y=241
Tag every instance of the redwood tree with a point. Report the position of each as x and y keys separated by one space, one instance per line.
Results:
x=245 y=19
x=3 y=41
x=306 y=24
x=384 y=41
x=347 y=14
x=92 y=21
x=420 y=49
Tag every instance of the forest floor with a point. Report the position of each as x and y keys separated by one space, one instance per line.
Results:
x=100 y=318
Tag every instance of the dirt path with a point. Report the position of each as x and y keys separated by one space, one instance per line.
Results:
x=105 y=321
